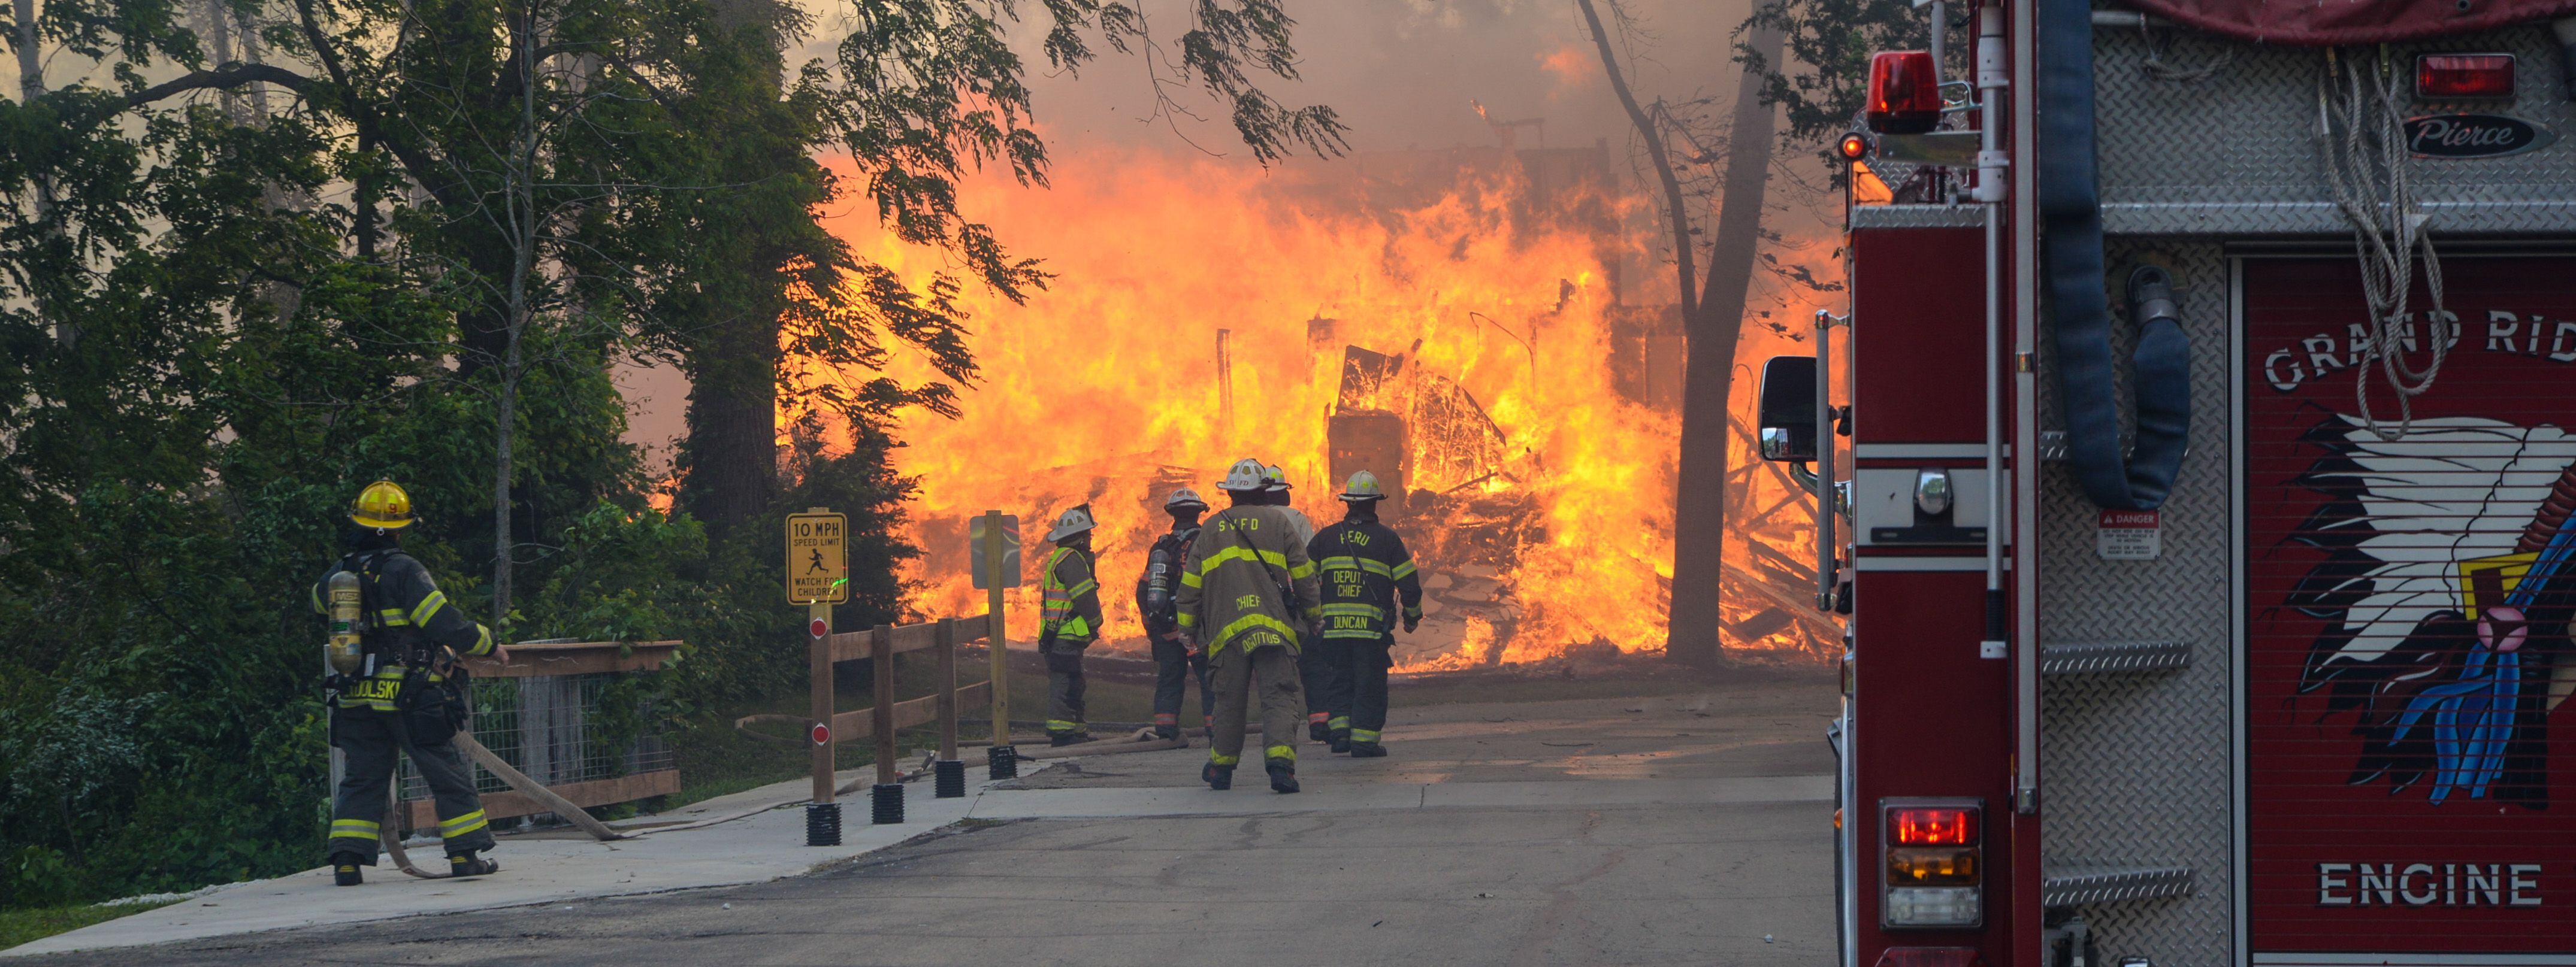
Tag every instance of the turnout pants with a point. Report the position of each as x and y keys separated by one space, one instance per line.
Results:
x=1272 y=669
x=1174 y=666
x=371 y=740
x=1321 y=673
x=1359 y=698
x=1065 y=686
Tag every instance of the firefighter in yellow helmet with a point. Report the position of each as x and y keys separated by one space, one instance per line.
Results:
x=1068 y=623
x=1366 y=570
x=405 y=695
x=1244 y=590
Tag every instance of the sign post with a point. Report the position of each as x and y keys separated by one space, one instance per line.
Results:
x=818 y=572
x=993 y=541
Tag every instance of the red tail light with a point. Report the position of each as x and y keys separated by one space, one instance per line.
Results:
x=1932 y=826
x=2450 y=77
x=1904 y=96
x=1931 y=957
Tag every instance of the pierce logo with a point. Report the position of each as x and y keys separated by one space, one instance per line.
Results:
x=2474 y=136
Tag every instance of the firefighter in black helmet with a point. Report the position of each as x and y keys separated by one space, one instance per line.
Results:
x=1177 y=660
x=406 y=694
x=1365 y=569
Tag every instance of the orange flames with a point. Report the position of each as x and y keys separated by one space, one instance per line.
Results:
x=1105 y=389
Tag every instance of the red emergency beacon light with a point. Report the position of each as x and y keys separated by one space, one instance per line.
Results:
x=2457 y=77
x=1904 y=92
x=1935 y=874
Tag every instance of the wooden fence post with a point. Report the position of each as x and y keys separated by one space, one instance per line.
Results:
x=948 y=774
x=886 y=800
x=822 y=816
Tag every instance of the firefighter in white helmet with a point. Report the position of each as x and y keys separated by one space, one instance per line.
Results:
x=1244 y=589
x=1366 y=570
x=1177 y=660
x=1068 y=622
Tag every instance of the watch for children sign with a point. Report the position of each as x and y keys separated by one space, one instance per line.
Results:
x=818 y=566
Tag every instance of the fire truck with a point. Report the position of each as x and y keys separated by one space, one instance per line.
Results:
x=2199 y=443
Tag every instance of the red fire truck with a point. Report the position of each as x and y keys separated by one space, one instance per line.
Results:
x=2201 y=445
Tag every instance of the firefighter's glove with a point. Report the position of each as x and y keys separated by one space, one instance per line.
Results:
x=1411 y=622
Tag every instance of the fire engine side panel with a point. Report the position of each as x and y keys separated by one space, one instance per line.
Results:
x=2135 y=766
x=1930 y=717
x=2411 y=744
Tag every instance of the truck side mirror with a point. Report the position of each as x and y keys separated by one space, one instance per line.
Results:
x=1787 y=414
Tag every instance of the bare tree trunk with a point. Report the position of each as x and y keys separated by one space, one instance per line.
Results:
x=1699 y=508
x=523 y=232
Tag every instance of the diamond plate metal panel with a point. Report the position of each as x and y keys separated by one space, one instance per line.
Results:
x=1918 y=216
x=2135 y=769
x=2233 y=153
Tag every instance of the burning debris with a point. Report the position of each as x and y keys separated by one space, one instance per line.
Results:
x=1461 y=334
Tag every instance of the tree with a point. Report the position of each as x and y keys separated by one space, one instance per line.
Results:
x=1712 y=305
x=1821 y=81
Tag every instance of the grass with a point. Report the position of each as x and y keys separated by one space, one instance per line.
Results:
x=36 y=923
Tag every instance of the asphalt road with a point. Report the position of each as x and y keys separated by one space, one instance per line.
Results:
x=1541 y=875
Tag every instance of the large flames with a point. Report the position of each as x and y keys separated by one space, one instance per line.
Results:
x=1481 y=316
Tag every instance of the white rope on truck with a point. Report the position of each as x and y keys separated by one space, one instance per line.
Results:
x=2388 y=230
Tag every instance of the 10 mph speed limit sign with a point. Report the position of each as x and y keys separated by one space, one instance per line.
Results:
x=818 y=564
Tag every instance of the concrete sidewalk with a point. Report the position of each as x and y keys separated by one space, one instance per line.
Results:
x=540 y=869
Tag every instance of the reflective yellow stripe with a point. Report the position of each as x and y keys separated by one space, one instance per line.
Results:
x=1300 y=572
x=1249 y=622
x=1084 y=588
x=1340 y=563
x=1339 y=722
x=317 y=601
x=1060 y=725
x=1288 y=752
x=428 y=607
x=1220 y=758
x=1190 y=579
x=451 y=827
x=1414 y=612
x=1189 y=620
x=1248 y=556
x=1404 y=570
x=482 y=640
x=1364 y=735
x=353 y=828
x=392 y=618
x=1375 y=566
x=1361 y=610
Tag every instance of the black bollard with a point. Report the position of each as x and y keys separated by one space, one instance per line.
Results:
x=1003 y=762
x=948 y=779
x=885 y=802
x=823 y=824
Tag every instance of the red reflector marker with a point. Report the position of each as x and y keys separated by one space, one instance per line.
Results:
x=2446 y=77
x=1903 y=97
x=1931 y=957
x=1932 y=826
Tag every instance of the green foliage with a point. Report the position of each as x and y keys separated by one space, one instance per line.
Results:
x=397 y=237
x=1822 y=79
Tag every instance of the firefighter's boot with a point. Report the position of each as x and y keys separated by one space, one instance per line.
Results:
x=1167 y=732
x=1317 y=730
x=1283 y=775
x=1367 y=750
x=345 y=870
x=1062 y=739
x=468 y=864
x=1219 y=778
x=1341 y=740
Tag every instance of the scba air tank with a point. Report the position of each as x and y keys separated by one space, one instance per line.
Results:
x=343 y=650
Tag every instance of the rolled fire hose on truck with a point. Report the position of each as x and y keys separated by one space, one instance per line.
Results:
x=2070 y=221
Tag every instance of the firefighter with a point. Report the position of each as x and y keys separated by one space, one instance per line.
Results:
x=1067 y=623
x=1365 y=569
x=1317 y=677
x=407 y=695
x=1244 y=589
x=1176 y=659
